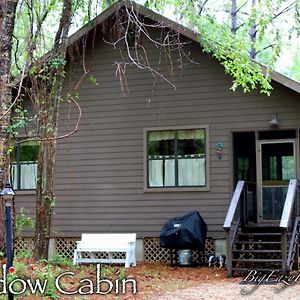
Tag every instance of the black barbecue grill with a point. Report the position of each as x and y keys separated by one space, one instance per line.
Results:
x=186 y=232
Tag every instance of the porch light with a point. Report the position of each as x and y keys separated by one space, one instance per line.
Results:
x=7 y=193
x=274 y=122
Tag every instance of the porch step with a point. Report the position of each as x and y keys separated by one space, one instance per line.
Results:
x=258 y=242
x=256 y=251
x=255 y=260
x=258 y=270
x=264 y=234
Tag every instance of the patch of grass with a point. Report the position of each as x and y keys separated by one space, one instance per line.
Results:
x=24 y=254
x=59 y=260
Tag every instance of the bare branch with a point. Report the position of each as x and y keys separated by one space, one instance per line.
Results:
x=286 y=9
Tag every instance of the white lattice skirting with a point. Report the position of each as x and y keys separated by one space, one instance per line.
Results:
x=152 y=250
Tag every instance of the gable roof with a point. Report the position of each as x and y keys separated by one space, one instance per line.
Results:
x=195 y=36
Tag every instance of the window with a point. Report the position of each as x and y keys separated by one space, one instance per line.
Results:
x=24 y=168
x=176 y=158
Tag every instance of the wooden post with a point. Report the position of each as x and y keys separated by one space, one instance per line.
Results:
x=284 y=251
x=297 y=251
x=228 y=253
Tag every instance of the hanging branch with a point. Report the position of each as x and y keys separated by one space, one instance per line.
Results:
x=128 y=25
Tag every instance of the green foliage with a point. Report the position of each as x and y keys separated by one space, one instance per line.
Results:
x=22 y=221
x=49 y=273
x=19 y=120
x=59 y=260
x=121 y=274
x=57 y=62
x=24 y=254
x=93 y=80
x=270 y=22
x=228 y=49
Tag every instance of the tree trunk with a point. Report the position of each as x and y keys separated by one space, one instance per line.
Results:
x=49 y=96
x=7 y=19
x=233 y=16
x=253 y=32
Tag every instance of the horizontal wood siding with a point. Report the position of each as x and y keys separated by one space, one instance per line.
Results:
x=99 y=170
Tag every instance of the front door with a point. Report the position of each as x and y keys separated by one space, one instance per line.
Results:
x=276 y=166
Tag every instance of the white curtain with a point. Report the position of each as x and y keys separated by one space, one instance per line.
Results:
x=191 y=172
x=191 y=134
x=28 y=176
x=156 y=172
x=170 y=172
x=160 y=135
x=28 y=173
x=14 y=177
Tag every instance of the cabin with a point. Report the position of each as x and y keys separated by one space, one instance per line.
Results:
x=162 y=134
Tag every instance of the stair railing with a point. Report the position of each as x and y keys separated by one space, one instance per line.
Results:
x=289 y=226
x=233 y=221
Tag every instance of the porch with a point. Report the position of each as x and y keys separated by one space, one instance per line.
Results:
x=262 y=246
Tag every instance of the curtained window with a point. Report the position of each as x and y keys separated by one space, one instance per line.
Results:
x=24 y=167
x=176 y=158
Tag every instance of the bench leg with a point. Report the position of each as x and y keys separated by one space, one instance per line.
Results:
x=110 y=256
x=133 y=258
x=77 y=256
x=127 y=259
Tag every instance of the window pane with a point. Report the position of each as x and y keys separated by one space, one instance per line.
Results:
x=161 y=143
x=28 y=176
x=191 y=172
x=191 y=142
x=155 y=171
x=170 y=172
x=28 y=152
x=161 y=172
x=288 y=167
x=24 y=171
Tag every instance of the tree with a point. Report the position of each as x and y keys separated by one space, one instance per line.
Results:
x=40 y=80
x=46 y=79
x=258 y=28
x=7 y=20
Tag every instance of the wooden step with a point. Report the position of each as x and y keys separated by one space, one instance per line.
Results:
x=264 y=234
x=258 y=270
x=256 y=260
x=258 y=242
x=256 y=251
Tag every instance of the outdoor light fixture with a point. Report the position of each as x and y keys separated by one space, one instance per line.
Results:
x=274 y=121
x=7 y=195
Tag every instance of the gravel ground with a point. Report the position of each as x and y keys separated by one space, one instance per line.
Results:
x=229 y=290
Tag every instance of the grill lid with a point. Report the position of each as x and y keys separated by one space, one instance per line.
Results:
x=186 y=232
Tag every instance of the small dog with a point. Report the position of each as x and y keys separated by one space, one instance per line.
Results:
x=216 y=260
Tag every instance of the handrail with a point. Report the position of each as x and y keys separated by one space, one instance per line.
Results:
x=288 y=205
x=293 y=243
x=233 y=204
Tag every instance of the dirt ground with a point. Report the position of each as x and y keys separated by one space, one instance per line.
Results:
x=156 y=281
x=177 y=283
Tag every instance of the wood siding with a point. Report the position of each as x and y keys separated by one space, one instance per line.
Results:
x=99 y=171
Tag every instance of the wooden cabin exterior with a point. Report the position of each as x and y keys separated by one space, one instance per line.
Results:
x=118 y=174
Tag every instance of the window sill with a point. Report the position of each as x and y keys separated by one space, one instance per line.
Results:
x=177 y=189
x=24 y=192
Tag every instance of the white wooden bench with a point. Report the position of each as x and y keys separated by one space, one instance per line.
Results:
x=109 y=243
